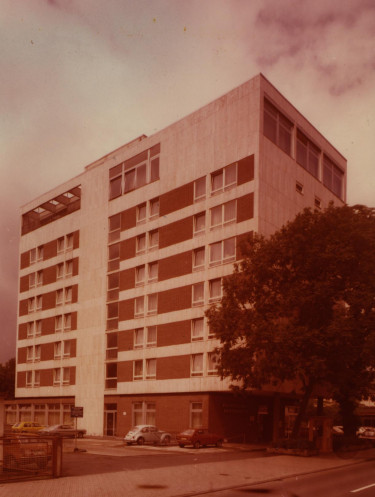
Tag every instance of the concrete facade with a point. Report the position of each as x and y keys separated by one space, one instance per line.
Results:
x=119 y=264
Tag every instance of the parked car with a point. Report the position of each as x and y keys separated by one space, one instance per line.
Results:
x=369 y=434
x=142 y=434
x=66 y=431
x=198 y=438
x=20 y=452
x=27 y=427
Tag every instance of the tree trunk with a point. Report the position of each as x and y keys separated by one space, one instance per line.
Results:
x=302 y=410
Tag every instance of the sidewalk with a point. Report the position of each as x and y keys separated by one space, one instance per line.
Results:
x=178 y=481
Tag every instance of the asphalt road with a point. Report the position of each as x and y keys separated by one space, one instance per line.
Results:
x=113 y=457
x=359 y=481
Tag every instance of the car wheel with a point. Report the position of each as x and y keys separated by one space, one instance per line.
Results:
x=197 y=444
x=181 y=445
x=167 y=440
x=140 y=441
x=219 y=443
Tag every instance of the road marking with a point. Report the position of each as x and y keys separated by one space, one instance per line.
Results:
x=362 y=488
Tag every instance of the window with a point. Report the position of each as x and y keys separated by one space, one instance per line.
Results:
x=152 y=303
x=138 y=338
x=212 y=360
x=198 y=258
x=68 y=268
x=111 y=375
x=69 y=242
x=154 y=207
x=197 y=329
x=30 y=354
x=198 y=294
x=224 y=213
x=155 y=169
x=299 y=187
x=112 y=346
x=307 y=154
x=200 y=188
x=196 y=415
x=40 y=253
x=31 y=304
x=29 y=378
x=139 y=306
x=150 y=368
x=32 y=255
x=333 y=177
x=67 y=348
x=60 y=271
x=153 y=239
x=215 y=289
x=151 y=336
x=153 y=270
x=36 y=379
x=31 y=280
x=112 y=310
x=37 y=352
x=67 y=322
x=197 y=365
x=58 y=323
x=30 y=329
x=144 y=413
x=59 y=297
x=141 y=243
x=38 y=327
x=141 y=213
x=140 y=272
x=39 y=302
x=113 y=281
x=277 y=127
x=57 y=376
x=317 y=203
x=57 y=350
x=61 y=244
x=223 y=251
x=114 y=251
x=114 y=228
x=134 y=172
x=39 y=278
x=138 y=370
x=66 y=376
x=224 y=178
x=199 y=223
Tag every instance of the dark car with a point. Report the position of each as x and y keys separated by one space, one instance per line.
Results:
x=199 y=437
x=66 y=431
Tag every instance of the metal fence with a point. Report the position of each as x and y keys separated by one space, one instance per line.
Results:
x=24 y=457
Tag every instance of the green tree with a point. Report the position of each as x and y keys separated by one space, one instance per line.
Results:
x=300 y=307
x=7 y=378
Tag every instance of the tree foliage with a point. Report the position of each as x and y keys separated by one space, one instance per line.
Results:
x=301 y=306
x=7 y=378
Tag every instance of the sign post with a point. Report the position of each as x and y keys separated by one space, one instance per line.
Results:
x=76 y=412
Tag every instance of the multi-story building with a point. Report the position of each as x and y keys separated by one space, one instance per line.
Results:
x=119 y=264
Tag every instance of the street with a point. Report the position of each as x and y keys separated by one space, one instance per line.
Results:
x=358 y=480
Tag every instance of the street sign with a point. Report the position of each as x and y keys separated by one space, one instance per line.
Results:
x=76 y=412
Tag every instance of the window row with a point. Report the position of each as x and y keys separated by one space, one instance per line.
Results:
x=220 y=180
x=64 y=243
x=214 y=288
x=61 y=376
x=63 y=270
x=63 y=322
x=220 y=215
x=64 y=295
x=134 y=173
x=279 y=130
x=203 y=364
x=144 y=413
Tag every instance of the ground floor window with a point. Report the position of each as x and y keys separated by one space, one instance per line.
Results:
x=196 y=414
x=144 y=413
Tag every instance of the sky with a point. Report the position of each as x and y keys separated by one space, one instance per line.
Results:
x=80 y=78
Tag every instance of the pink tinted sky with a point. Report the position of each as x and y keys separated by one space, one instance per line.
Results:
x=80 y=78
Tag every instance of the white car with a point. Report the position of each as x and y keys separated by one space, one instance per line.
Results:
x=142 y=434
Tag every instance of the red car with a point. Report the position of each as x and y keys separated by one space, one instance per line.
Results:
x=199 y=437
